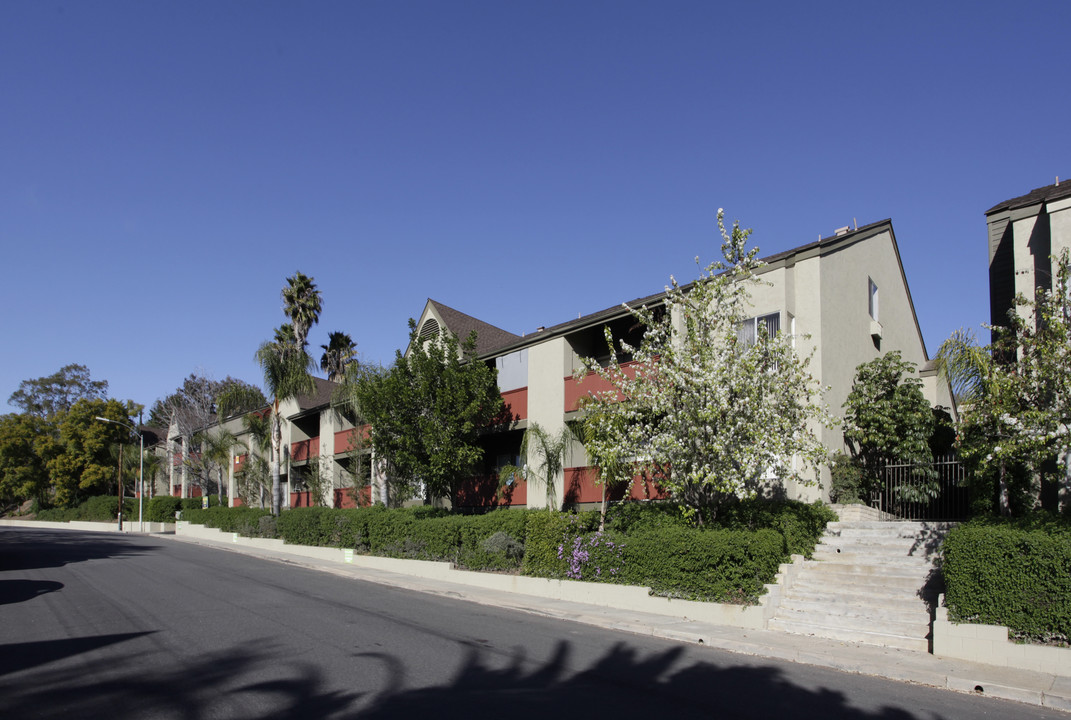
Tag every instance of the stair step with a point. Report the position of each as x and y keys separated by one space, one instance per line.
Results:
x=863 y=584
x=860 y=596
x=854 y=555
x=919 y=644
x=915 y=613
x=914 y=627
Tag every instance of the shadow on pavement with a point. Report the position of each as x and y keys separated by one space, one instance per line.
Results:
x=30 y=549
x=257 y=683
x=16 y=591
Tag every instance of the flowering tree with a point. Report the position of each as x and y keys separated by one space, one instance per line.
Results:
x=705 y=408
x=1016 y=427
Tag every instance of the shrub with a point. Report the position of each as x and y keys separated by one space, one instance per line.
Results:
x=1012 y=573
x=101 y=508
x=546 y=532
x=717 y=565
x=847 y=480
x=242 y=520
x=800 y=524
x=162 y=509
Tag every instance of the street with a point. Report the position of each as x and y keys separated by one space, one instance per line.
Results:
x=109 y=626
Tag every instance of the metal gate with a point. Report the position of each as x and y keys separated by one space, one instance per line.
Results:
x=903 y=481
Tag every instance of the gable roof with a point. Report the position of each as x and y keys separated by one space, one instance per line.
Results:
x=1055 y=191
x=488 y=337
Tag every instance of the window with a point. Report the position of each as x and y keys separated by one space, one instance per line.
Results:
x=748 y=333
x=872 y=292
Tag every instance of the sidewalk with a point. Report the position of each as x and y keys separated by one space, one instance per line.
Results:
x=1046 y=690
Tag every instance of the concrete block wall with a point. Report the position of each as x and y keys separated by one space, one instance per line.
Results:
x=989 y=644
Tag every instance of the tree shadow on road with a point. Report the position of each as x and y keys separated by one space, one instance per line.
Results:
x=261 y=682
x=621 y=684
x=32 y=549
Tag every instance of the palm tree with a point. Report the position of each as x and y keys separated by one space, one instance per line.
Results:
x=216 y=448
x=302 y=305
x=547 y=452
x=339 y=352
x=286 y=375
x=151 y=466
x=967 y=366
x=255 y=470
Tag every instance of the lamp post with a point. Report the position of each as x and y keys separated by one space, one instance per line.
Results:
x=141 y=472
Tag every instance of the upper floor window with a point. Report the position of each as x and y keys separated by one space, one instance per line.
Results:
x=872 y=294
x=768 y=325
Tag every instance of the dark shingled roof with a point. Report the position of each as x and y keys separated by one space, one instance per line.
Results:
x=321 y=397
x=618 y=310
x=488 y=337
x=1042 y=194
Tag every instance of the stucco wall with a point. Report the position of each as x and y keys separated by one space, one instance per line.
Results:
x=547 y=364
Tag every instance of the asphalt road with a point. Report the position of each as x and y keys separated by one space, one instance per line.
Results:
x=108 y=626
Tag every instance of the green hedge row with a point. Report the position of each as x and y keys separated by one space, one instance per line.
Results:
x=673 y=559
x=241 y=520
x=645 y=544
x=162 y=508
x=103 y=508
x=1012 y=573
x=494 y=541
x=800 y=524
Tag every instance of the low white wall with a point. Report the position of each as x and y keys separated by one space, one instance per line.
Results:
x=625 y=597
x=129 y=526
x=989 y=644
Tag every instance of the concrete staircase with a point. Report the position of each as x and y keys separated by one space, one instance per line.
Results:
x=868 y=582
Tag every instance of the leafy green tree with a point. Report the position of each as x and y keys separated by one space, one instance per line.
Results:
x=888 y=420
x=302 y=304
x=54 y=394
x=1016 y=420
x=346 y=401
x=702 y=407
x=427 y=412
x=238 y=399
x=339 y=352
x=23 y=467
x=81 y=464
x=286 y=375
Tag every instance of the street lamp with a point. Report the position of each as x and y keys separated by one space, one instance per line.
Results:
x=141 y=472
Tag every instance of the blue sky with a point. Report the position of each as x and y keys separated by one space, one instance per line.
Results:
x=165 y=166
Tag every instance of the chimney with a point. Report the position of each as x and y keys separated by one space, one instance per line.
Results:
x=842 y=230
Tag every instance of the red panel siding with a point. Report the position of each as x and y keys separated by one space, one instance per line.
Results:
x=353 y=497
x=305 y=449
x=301 y=499
x=344 y=438
x=517 y=403
x=483 y=491
x=580 y=487
x=575 y=390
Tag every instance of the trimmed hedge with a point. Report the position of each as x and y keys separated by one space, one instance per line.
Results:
x=800 y=524
x=102 y=508
x=717 y=565
x=242 y=520
x=1012 y=573
x=645 y=544
x=417 y=533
